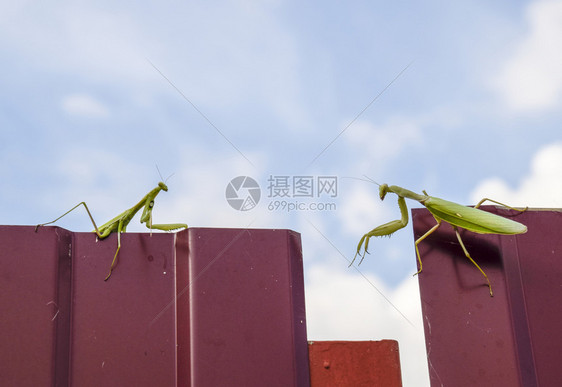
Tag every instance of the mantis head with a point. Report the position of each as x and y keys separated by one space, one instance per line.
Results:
x=383 y=189
x=163 y=186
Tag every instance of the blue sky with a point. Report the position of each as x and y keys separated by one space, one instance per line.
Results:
x=91 y=100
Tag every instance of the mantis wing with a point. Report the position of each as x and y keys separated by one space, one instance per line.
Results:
x=472 y=219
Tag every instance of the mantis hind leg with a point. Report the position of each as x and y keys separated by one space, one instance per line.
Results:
x=101 y=236
x=501 y=204
x=472 y=260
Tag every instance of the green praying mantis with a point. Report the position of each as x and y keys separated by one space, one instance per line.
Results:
x=120 y=222
x=456 y=215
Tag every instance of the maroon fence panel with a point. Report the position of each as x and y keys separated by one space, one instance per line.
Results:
x=203 y=307
x=247 y=308
x=116 y=338
x=34 y=306
x=511 y=339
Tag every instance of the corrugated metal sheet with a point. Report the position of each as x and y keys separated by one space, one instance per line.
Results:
x=512 y=339
x=204 y=307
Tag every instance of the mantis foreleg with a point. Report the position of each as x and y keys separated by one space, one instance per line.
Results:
x=168 y=227
x=384 y=230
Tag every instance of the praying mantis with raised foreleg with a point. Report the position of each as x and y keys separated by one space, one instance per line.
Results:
x=456 y=215
x=120 y=222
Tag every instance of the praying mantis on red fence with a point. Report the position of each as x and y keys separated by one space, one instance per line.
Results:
x=120 y=222
x=457 y=215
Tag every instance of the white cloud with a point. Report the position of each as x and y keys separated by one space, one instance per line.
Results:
x=541 y=188
x=263 y=60
x=361 y=209
x=76 y=39
x=219 y=67
x=531 y=79
x=198 y=195
x=381 y=142
x=89 y=166
x=101 y=178
x=84 y=105
x=342 y=305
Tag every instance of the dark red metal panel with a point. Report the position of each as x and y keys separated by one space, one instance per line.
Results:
x=34 y=305
x=204 y=307
x=354 y=364
x=247 y=308
x=119 y=335
x=181 y=302
x=511 y=339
